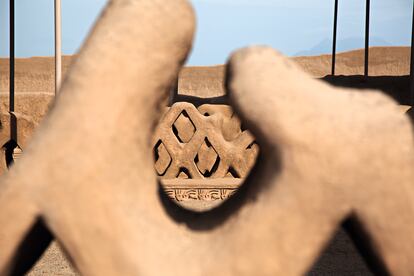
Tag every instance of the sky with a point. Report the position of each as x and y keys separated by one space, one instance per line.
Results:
x=292 y=27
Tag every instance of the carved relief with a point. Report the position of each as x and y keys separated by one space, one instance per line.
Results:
x=207 y=142
x=200 y=189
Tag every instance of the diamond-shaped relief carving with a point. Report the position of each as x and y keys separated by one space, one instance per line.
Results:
x=232 y=173
x=162 y=158
x=183 y=174
x=219 y=122
x=183 y=128
x=207 y=159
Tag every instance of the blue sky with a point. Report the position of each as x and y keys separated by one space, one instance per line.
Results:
x=293 y=27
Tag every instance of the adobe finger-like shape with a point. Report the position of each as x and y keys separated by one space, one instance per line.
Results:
x=342 y=155
x=91 y=161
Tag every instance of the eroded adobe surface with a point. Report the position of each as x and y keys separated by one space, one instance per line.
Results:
x=202 y=153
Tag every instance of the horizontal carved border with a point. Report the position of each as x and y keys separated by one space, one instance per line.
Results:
x=200 y=189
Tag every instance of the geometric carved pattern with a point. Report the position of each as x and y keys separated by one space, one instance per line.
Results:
x=183 y=128
x=202 y=143
x=163 y=159
x=201 y=189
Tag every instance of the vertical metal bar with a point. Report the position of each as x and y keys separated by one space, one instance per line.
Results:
x=412 y=63
x=174 y=92
x=367 y=38
x=11 y=58
x=334 y=37
x=58 y=46
x=13 y=122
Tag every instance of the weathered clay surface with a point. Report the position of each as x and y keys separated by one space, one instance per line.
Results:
x=201 y=82
x=341 y=154
x=202 y=143
x=194 y=146
x=325 y=157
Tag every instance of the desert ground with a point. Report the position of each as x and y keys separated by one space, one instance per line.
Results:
x=389 y=70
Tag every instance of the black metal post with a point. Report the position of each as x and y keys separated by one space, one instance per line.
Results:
x=412 y=64
x=334 y=37
x=13 y=121
x=367 y=38
x=12 y=57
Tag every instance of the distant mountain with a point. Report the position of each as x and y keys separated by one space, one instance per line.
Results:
x=351 y=43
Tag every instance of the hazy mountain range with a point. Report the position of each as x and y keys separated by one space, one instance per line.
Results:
x=342 y=45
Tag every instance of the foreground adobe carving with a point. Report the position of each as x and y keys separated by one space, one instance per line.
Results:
x=326 y=155
x=342 y=154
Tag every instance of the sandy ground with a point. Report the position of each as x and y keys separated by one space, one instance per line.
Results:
x=35 y=88
x=383 y=61
x=53 y=262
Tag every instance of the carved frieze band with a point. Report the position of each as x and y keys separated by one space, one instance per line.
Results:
x=200 y=189
x=199 y=194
